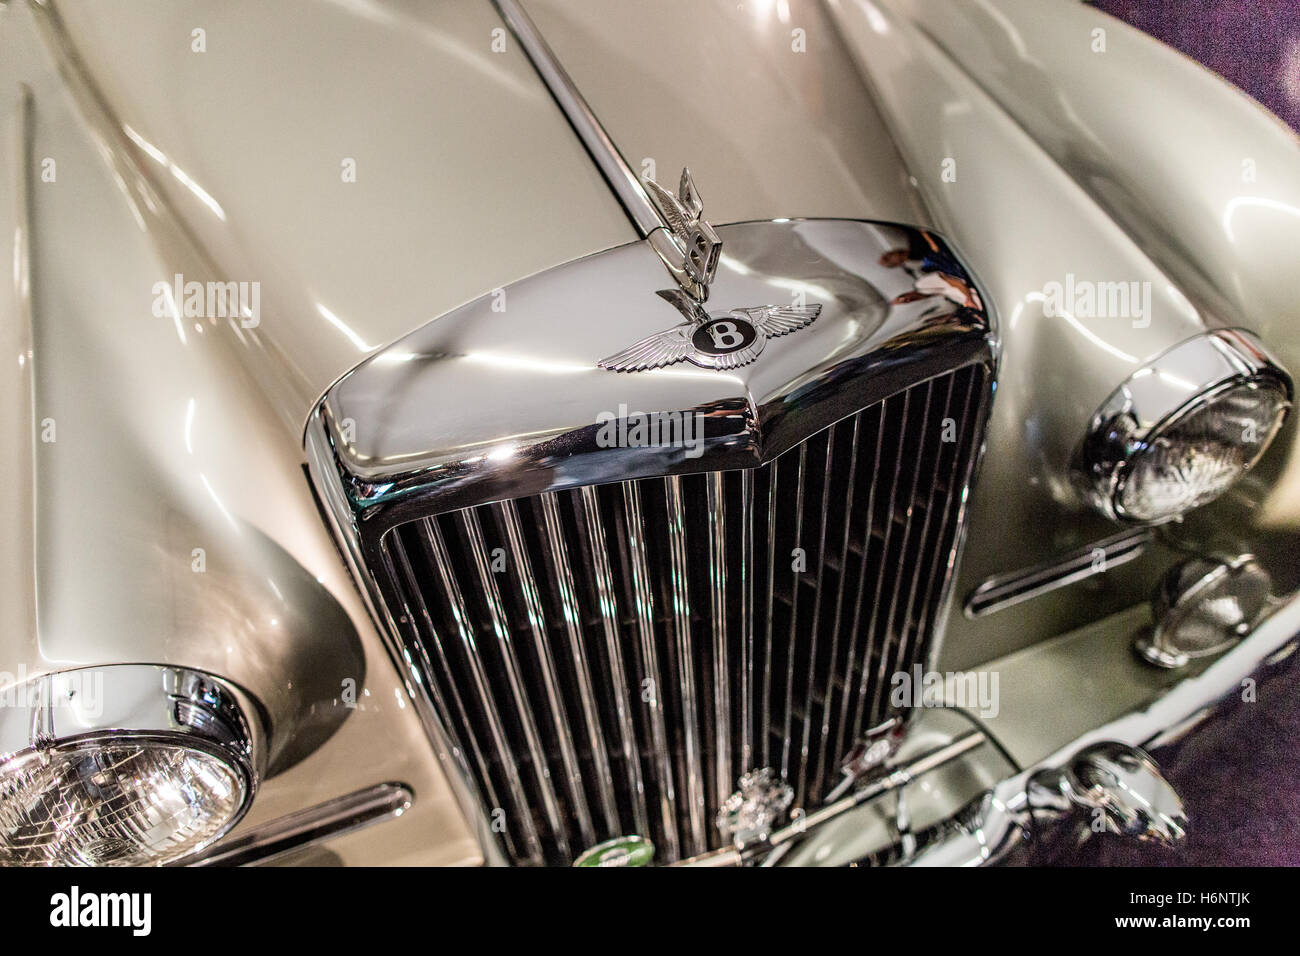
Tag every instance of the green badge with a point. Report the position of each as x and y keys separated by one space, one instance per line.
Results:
x=620 y=851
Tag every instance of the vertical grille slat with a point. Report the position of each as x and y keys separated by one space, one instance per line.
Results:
x=571 y=617
x=746 y=621
x=724 y=779
x=487 y=589
x=828 y=710
x=609 y=624
x=685 y=661
x=509 y=515
x=660 y=756
x=790 y=656
x=431 y=637
x=890 y=638
x=609 y=659
x=828 y=471
x=491 y=717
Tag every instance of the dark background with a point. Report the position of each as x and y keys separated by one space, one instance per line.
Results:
x=1239 y=778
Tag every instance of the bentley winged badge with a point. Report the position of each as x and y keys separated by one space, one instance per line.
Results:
x=691 y=249
x=723 y=341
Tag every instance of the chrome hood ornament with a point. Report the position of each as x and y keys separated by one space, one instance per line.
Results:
x=723 y=341
x=687 y=243
x=691 y=248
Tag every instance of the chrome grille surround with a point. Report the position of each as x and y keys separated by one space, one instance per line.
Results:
x=448 y=456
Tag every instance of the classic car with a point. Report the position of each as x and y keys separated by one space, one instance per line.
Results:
x=611 y=433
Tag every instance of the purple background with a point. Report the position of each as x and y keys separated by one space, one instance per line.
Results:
x=1253 y=44
x=1239 y=778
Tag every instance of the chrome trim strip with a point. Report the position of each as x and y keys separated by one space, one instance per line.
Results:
x=815 y=629
x=24 y=317
x=765 y=714
x=572 y=618
x=325 y=821
x=874 y=637
x=399 y=560
x=822 y=751
x=523 y=709
x=724 y=778
x=840 y=742
x=1007 y=590
x=432 y=539
x=509 y=516
x=794 y=610
x=685 y=660
x=635 y=545
x=746 y=621
x=598 y=554
x=627 y=187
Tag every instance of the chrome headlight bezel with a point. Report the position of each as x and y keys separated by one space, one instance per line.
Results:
x=96 y=709
x=1187 y=379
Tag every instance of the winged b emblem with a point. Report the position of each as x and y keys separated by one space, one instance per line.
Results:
x=723 y=341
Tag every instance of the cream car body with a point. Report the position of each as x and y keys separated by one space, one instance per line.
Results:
x=374 y=165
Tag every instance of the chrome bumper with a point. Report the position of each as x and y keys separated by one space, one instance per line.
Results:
x=1102 y=781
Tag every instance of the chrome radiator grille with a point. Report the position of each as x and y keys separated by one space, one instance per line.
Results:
x=608 y=660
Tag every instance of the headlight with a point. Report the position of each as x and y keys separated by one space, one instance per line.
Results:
x=121 y=765
x=1184 y=428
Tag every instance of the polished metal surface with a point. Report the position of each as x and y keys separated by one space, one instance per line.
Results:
x=625 y=184
x=998 y=826
x=392 y=430
x=1113 y=788
x=146 y=190
x=1008 y=590
x=1204 y=605
x=760 y=801
x=165 y=703
x=1169 y=388
x=688 y=244
x=718 y=341
x=647 y=562
x=623 y=573
x=768 y=850
x=84 y=710
x=342 y=815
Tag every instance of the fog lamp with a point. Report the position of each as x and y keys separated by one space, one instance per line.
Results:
x=131 y=765
x=1203 y=606
x=1182 y=429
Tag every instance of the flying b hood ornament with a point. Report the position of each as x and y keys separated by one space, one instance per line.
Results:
x=691 y=249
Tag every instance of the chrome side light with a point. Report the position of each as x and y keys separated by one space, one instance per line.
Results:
x=126 y=764
x=1182 y=429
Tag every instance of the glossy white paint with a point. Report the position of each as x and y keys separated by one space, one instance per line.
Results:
x=1115 y=167
x=175 y=434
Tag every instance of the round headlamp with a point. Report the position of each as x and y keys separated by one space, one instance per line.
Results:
x=127 y=765
x=1182 y=429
